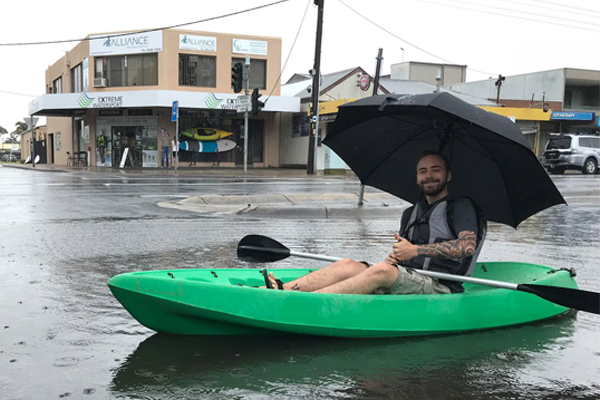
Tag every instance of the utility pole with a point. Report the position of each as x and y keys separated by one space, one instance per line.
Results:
x=361 y=193
x=247 y=92
x=311 y=168
x=499 y=85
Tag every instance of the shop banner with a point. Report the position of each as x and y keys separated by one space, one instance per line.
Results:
x=253 y=47
x=147 y=42
x=572 y=116
x=198 y=43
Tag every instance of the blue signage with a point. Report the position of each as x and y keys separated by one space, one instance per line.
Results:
x=572 y=116
x=599 y=122
x=175 y=111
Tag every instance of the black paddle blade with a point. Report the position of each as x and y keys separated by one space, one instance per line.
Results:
x=261 y=248
x=573 y=298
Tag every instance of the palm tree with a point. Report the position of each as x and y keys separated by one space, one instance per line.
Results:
x=21 y=127
x=3 y=131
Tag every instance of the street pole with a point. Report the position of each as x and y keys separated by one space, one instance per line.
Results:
x=32 y=141
x=361 y=193
x=177 y=140
x=247 y=91
x=316 y=75
x=316 y=141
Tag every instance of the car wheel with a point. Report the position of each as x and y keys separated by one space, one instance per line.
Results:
x=590 y=166
x=557 y=170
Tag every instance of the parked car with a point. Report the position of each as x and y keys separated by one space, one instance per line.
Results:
x=572 y=151
x=9 y=158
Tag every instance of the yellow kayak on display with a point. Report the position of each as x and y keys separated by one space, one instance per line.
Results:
x=206 y=133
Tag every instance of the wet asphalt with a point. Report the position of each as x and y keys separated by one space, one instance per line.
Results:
x=64 y=233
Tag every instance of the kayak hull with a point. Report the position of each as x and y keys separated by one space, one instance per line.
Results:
x=212 y=302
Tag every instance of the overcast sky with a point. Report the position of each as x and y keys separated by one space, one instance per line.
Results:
x=489 y=41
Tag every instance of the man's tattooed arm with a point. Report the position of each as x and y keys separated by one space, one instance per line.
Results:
x=462 y=247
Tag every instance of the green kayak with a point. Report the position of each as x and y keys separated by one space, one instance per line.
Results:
x=223 y=302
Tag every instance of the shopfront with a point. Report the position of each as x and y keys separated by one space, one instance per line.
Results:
x=104 y=126
x=138 y=134
x=229 y=125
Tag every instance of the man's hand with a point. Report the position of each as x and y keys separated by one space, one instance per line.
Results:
x=391 y=259
x=404 y=250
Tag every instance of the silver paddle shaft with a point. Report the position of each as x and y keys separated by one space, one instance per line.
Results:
x=432 y=274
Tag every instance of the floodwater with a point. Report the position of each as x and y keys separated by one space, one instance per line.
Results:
x=63 y=335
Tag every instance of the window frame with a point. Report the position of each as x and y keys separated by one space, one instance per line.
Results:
x=253 y=75
x=57 y=85
x=105 y=72
x=200 y=84
x=77 y=78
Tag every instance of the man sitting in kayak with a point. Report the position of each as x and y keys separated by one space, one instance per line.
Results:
x=439 y=233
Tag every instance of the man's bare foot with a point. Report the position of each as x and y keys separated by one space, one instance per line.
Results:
x=271 y=282
x=275 y=283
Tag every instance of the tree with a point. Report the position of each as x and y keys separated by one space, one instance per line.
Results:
x=3 y=131
x=21 y=127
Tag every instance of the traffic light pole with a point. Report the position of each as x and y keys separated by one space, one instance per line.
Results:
x=311 y=168
x=247 y=88
x=361 y=193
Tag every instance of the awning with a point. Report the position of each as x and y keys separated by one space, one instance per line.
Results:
x=71 y=104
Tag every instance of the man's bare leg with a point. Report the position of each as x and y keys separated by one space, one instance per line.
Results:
x=321 y=278
x=379 y=276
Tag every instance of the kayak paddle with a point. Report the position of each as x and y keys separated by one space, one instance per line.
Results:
x=263 y=249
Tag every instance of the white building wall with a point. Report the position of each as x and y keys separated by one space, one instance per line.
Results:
x=292 y=150
x=518 y=87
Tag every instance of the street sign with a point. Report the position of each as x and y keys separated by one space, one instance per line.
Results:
x=175 y=111
x=242 y=100
x=31 y=122
x=242 y=103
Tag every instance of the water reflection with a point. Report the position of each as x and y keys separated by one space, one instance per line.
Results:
x=445 y=367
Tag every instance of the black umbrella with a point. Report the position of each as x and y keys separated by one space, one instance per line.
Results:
x=382 y=137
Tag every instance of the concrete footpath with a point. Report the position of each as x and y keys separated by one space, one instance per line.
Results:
x=376 y=204
x=322 y=205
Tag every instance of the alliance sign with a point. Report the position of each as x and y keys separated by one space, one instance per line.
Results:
x=198 y=43
x=147 y=42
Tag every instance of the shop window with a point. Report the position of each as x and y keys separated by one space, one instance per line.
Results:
x=129 y=70
x=76 y=79
x=591 y=97
x=57 y=85
x=212 y=119
x=568 y=98
x=258 y=72
x=197 y=70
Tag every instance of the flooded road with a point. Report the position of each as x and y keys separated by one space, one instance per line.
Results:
x=63 y=335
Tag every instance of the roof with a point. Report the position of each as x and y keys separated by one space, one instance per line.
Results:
x=418 y=87
x=299 y=88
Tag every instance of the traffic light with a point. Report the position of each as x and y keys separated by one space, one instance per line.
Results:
x=256 y=104
x=237 y=77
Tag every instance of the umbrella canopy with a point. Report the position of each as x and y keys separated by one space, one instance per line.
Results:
x=382 y=137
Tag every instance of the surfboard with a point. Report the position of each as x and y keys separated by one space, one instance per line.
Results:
x=212 y=146
x=36 y=159
x=27 y=160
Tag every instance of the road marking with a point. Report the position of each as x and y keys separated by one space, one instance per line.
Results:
x=166 y=195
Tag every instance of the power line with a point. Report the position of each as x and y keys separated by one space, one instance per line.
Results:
x=549 y=8
x=569 y=6
x=17 y=94
x=508 y=16
x=149 y=30
x=290 y=53
x=525 y=12
x=408 y=43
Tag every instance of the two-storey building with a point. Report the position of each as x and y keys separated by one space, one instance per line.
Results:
x=116 y=89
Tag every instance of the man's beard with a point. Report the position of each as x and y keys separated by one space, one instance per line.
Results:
x=434 y=190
